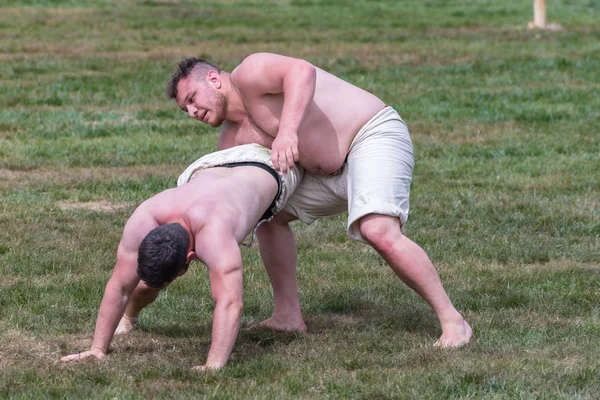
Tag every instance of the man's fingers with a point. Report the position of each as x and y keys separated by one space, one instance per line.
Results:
x=283 y=165
x=82 y=356
x=69 y=357
x=284 y=159
x=76 y=357
x=276 y=159
x=290 y=158
x=279 y=161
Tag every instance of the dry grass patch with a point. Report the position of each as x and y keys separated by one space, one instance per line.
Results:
x=19 y=348
x=430 y=133
x=370 y=55
x=64 y=177
x=95 y=206
x=553 y=265
x=10 y=13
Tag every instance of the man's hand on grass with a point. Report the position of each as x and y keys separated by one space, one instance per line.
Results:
x=99 y=354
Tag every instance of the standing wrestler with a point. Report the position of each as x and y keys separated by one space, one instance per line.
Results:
x=219 y=200
x=357 y=150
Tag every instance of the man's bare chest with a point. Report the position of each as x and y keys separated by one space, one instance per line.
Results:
x=264 y=113
x=251 y=132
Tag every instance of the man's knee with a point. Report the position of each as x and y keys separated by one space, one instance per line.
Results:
x=380 y=231
x=282 y=218
x=280 y=221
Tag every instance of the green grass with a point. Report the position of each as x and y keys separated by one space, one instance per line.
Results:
x=505 y=199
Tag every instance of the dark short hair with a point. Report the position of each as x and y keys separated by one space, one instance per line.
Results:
x=184 y=68
x=163 y=254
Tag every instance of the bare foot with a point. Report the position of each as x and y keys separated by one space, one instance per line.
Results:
x=281 y=326
x=126 y=325
x=454 y=335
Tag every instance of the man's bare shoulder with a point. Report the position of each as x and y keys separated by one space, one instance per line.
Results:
x=141 y=222
x=251 y=61
x=260 y=69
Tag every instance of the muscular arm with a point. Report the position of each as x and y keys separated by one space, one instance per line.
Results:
x=262 y=74
x=221 y=254
x=119 y=287
x=116 y=295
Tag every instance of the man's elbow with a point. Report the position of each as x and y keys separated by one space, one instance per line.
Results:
x=308 y=71
x=120 y=291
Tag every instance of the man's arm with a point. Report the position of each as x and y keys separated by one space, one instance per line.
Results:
x=121 y=284
x=116 y=295
x=264 y=73
x=220 y=252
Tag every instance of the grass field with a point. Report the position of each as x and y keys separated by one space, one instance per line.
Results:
x=505 y=199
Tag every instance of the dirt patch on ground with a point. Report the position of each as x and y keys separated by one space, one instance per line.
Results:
x=61 y=176
x=18 y=347
x=95 y=206
x=472 y=133
x=555 y=265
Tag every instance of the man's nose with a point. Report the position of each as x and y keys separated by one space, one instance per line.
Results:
x=192 y=111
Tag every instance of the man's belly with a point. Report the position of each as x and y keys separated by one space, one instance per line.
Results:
x=323 y=148
x=326 y=163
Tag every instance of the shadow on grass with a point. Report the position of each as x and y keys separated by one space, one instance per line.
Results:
x=177 y=330
x=344 y=312
x=414 y=320
x=361 y=310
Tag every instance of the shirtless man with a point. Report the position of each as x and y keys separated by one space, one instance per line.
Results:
x=219 y=200
x=358 y=154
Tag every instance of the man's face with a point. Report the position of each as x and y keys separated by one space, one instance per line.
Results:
x=201 y=101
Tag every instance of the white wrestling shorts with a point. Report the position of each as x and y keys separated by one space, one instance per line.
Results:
x=375 y=179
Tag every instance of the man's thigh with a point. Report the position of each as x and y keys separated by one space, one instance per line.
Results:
x=318 y=197
x=380 y=165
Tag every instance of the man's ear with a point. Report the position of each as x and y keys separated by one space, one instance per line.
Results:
x=190 y=256
x=214 y=79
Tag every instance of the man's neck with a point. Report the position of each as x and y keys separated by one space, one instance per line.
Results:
x=182 y=220
x=236 y=111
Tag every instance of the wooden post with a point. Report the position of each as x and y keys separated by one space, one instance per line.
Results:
x=539 y=13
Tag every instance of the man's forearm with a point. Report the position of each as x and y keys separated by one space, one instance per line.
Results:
x=111 y=310
x=226 y=324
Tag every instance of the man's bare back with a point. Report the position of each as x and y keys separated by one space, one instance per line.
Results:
x=219 y=195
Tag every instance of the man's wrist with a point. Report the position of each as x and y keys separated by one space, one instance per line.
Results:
x=287 y=133
x=98 y=351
